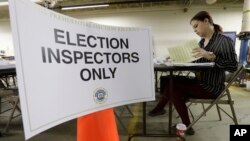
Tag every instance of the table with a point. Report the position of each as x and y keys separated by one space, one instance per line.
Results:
x=7 y=69
x=169 y=68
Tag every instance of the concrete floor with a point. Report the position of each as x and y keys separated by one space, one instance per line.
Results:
x=207 y=129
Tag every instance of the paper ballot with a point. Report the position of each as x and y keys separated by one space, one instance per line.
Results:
x=183 y=53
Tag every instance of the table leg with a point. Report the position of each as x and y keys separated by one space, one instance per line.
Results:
x=144 y=118
x=0 y=104
x=156 y=81
x=144 y=122
x=170 y=102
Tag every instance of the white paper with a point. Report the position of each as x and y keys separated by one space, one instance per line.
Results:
x=183 y=53
x=193 y=64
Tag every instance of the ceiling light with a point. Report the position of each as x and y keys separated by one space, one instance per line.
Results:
x=3 y=3
x=84 y=6
x=211 y=1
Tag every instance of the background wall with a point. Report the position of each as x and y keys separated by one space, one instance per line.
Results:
x=6 y=43
x=169 y=26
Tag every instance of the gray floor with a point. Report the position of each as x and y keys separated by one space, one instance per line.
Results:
x=207 y=129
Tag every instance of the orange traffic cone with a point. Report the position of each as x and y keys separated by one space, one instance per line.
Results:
x=98 y=126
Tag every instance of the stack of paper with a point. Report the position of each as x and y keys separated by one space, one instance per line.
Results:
x=183 y=53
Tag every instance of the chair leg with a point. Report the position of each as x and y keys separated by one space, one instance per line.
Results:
x=188 y=105
x=131 y=113
x=218 y=110
x=120 y=121
x=191 y=113
x=202 y=114
x=232 y=108
x=15 y=105
x=127 y=107
x=234 y=115
x=203 y=107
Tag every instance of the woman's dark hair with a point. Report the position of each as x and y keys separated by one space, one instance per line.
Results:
x=202 y=15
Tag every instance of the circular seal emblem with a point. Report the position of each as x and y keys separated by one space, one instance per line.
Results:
x=100 y=95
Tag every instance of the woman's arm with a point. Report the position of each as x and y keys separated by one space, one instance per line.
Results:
x=226 y=57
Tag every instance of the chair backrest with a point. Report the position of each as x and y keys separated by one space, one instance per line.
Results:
x=231 y=77
x=234 y=75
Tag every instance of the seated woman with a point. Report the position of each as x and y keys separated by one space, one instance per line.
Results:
x=213 y=47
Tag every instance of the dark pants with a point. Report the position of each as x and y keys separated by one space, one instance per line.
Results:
x=183 y=88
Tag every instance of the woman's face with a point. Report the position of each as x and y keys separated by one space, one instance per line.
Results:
x=199 y=27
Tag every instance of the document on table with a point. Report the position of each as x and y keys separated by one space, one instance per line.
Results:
x=193 y=64
x=183 y=53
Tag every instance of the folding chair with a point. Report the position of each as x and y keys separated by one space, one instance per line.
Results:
x=223 y=98
x=10 y=97
x=120 y=114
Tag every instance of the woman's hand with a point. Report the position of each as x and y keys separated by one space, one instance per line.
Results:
x=202 y=53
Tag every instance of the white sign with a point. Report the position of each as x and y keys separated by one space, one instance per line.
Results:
x=68 y=68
